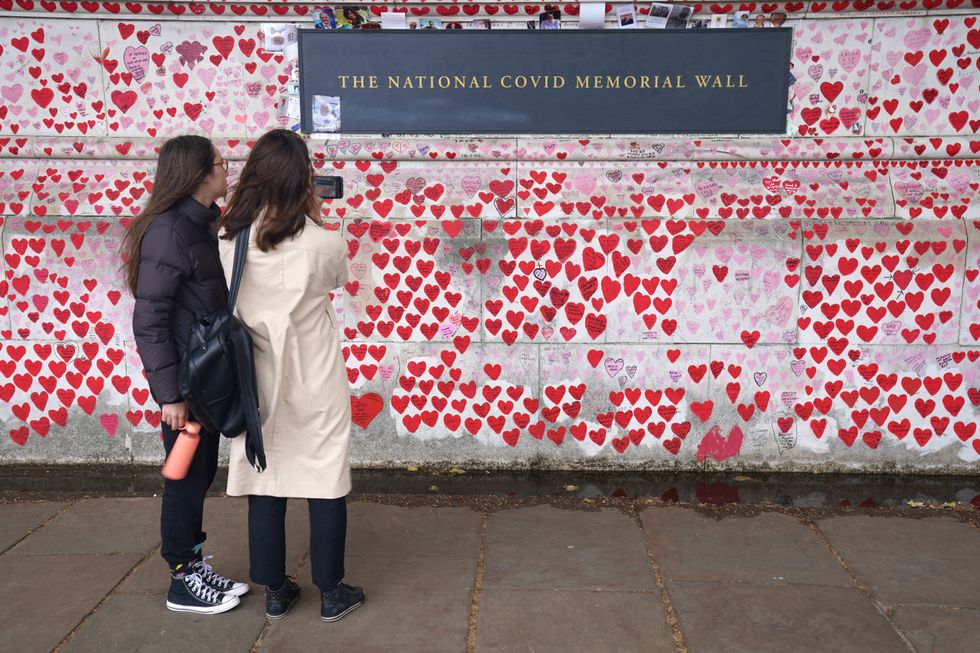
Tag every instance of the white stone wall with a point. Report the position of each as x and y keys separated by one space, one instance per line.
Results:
x=806 y=302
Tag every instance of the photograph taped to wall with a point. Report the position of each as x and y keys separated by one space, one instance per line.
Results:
x=324 y=18
x=741 y=19
x=326 y=113
x=657 y=18
x=679 y=15
x=698 y=23
x=480 y=23
x=352 y=17
x=719 y=21
x=626 y=17
x=430 y=23
x=550 y=19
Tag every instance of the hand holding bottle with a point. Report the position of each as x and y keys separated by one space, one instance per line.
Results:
x=182 y=453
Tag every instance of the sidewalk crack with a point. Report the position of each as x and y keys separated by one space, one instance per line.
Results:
x=885 y=612
x=40 y=526
x=268 y=622
x=477 y=585
x=675 y=628
x=146 y=556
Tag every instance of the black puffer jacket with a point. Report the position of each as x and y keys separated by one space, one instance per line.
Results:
x=180 y=281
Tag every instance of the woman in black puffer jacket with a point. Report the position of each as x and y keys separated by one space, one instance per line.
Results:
x=173 y=270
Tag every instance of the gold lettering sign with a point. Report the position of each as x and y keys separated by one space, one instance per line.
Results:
x=546 y=82
x=572 y=82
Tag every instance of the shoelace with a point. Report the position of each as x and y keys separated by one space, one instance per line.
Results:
x=286 y=585
x=209 y=575
x=197 y=587
x=340 y=592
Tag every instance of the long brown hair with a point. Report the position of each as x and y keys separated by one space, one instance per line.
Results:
x=184 y=163
x=277 y=178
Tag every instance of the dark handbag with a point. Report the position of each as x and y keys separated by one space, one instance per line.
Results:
x=217 y=373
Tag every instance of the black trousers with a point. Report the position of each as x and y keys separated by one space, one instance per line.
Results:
x=182 y=514
x=267 y=540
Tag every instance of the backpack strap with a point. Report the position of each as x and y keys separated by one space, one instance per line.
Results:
x=241 y=344
x=241 y=246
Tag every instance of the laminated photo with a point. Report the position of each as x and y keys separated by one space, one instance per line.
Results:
x=679 y=15
x=324 y=18
x=326 y=113
x=352 y=17
x=669 y=16
x=626 y=17
x=659 y=13
x=550 y=19
x=480 y=23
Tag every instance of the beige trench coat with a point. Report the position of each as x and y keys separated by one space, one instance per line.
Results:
x=304 y=399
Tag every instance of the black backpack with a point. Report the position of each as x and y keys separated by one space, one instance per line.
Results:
x=217 y=372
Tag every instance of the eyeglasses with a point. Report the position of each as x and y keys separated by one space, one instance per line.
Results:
x=222 y=163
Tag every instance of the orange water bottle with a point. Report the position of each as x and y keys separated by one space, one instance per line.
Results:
x=182 y=453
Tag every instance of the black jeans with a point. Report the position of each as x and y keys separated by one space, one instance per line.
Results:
x=182 y=514
x=267 y=540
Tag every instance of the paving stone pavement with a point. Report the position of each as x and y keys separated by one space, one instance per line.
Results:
x=85 y=574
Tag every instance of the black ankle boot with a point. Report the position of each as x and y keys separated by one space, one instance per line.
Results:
x=339 y=601
x=278 y=602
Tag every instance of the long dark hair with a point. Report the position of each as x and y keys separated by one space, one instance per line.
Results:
x=185 y=161
x=277 y=178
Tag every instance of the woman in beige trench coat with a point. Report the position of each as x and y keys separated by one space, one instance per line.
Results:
x=291 y=265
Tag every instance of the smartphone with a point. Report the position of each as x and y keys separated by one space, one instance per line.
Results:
x=329 y=187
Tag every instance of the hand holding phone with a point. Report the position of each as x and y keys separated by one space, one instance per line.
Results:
x=328 y=187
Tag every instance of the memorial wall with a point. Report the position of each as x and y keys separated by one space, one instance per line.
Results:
x=808 y=300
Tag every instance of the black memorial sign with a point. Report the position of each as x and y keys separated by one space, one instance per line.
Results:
x=527 y=81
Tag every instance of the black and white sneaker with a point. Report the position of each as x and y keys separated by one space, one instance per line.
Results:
x=189 y=593
x=215 y=580
x=339 y=601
